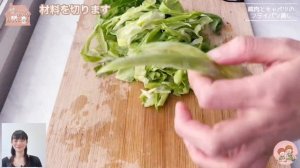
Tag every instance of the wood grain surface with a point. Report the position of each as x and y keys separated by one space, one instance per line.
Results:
x=100 y=122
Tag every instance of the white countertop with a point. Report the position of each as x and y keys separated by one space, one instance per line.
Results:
x=33 y=93
x=32 y=96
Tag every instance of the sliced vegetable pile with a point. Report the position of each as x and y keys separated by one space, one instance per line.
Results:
x=155 y=42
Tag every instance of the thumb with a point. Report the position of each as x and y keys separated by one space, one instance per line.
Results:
x=250 y=49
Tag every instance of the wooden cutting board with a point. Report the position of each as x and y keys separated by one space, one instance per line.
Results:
x=100 y=122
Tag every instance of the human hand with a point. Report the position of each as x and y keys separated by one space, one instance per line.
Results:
x=267 y=104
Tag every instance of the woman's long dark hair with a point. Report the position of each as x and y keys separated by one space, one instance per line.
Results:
x=18 y=134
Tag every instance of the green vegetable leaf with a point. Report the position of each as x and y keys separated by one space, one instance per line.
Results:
x=126 y=74
x=118 y=7
x=175 y=55
x=172 y=7
x=154 y=42
x=96 y=53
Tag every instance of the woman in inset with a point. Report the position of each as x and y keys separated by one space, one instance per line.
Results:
x=19 y=156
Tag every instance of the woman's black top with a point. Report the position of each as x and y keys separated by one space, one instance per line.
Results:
x=32 y=161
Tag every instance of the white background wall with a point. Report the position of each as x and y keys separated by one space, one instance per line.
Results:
x=36 y=139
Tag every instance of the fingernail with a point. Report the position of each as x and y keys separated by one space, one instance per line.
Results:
x=214 y=54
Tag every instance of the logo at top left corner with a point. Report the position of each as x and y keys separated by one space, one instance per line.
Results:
x=17 y=15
